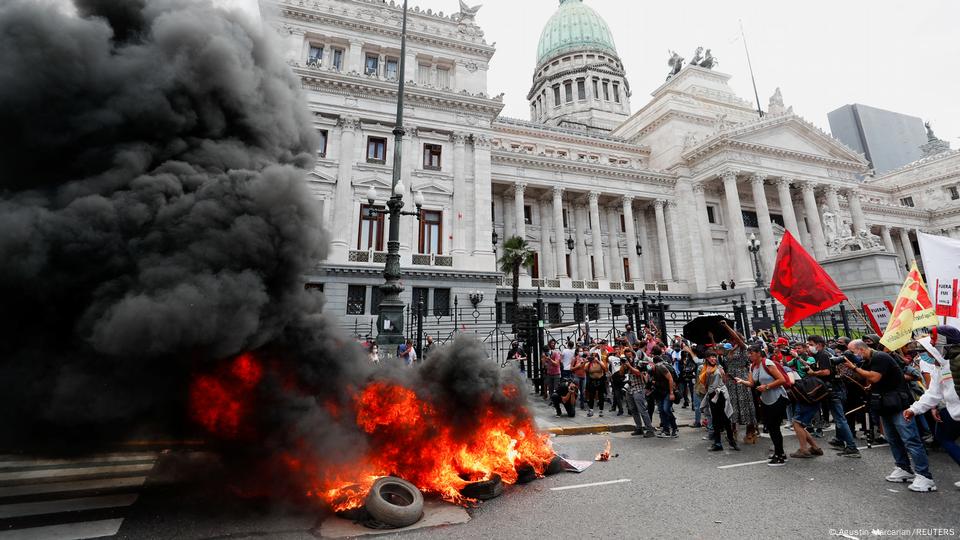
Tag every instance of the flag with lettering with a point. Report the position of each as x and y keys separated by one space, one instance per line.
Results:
x=800 y=284
x=913 y=310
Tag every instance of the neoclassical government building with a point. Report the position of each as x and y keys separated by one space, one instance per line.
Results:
x=617 y=194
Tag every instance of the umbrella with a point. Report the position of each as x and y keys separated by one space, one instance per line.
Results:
x=699 y=329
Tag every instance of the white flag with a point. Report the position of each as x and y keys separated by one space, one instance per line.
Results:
x=941 y=263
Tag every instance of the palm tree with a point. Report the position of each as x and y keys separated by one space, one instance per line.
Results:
x=516 y=253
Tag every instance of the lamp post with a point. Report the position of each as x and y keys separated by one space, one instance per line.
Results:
x=390 y=320
x=754 y=249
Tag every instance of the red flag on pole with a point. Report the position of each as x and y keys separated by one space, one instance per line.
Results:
x=800 y=284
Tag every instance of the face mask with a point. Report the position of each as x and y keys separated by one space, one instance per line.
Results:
x=812 y=349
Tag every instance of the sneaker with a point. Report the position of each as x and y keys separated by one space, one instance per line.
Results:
x=850 y=453
x=900 y=475
x=922 y=484
x=880 y=440
x=601 y=414
x=589 y=413
x=648 y=434
x=716 y=448
x=777 y=461
x=674 y=434
x=801 y=454
x=816 y=452
x=836 y=442
x=637 y=432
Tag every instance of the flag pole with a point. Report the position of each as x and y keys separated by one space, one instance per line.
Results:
x=859 y=314
x=750 y=65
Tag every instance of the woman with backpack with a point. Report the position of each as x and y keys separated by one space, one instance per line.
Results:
x=767 y=379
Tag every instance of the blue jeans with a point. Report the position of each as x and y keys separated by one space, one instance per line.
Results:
x=947 y=433
x=665 y=408
x=905 y=443
x=843 y=428
x=582 y=384
x=696 y=407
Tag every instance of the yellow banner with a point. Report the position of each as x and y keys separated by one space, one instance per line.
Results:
x=913 y=311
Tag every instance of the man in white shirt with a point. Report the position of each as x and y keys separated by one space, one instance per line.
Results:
x=941 y=389
x=566 y=357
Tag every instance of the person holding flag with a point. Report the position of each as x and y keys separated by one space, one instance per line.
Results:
x=913 y=310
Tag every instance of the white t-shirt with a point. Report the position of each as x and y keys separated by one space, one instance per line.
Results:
x=566 y=357
x=614 y=362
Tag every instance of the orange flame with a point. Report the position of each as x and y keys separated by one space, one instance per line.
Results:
x=605 y=455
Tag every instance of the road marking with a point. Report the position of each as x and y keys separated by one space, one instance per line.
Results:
x=743 y=464
x=73 y=471
x=578 y=486
x=13 y=462
x=78 y=485
x=874 y=446
x=65 y=505
x=67 y=531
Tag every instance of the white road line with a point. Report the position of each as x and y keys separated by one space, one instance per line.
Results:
x=743 y=464
x=578 y=486
x=8 y=462
x=77 y=485
x=65 y=505
x=874 y=446
x=74 y=471
x=67 y=531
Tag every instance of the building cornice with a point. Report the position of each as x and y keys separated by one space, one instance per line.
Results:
x=408 y=271
x=560 y=135
x=581 y=167
x=598 y=67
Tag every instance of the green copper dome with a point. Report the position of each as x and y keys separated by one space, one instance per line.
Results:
x=575 y=26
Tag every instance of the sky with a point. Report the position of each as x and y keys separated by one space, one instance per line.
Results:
x=891 y=54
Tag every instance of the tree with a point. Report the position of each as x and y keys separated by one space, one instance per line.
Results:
x=516 y=253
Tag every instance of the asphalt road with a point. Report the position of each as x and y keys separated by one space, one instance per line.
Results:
x=667 y=488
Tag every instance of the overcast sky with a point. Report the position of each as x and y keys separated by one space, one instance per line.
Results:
x=892 y=54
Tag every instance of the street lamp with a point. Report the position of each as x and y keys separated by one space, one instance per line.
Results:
x=475 y=298
x=754 y=249
x=570 y=243
x=390 y=319
x=639 y=249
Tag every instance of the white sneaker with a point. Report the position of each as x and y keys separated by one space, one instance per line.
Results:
x=922 y=484
x=899 y=475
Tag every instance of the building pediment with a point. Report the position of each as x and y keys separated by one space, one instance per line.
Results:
x=374 y=181
x=314 y=176
x=432 y=186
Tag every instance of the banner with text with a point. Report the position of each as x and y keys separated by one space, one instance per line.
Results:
x=879 y=315
x=941 y=265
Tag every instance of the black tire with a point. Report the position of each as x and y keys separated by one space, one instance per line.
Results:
x=555 y=466
x=485 y=490
x=526 y=474
x=395 y=502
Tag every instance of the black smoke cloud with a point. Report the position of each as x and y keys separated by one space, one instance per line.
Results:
x=155 y=221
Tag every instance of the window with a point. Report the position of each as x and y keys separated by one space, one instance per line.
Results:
x=567 y=256
x=564 y=212
x=431 y=156
x=750 y=218
x=593 y=312
x=315 y=287
x=568 y=91
x=596 y=89
x=616 y=93
x=322 y=147
x=356 y=300
x=393 y=67
x=443 y=77
x=556 y=96
x=553 y=313
x=370 y=235
x=581 y=89
x=778 y=219
x=623 y=224
x=430 y=231
x=376 y=296
x=907 y=201
x=441 y=302
x=423 y=73
x=954 y=194
x=606 y=91
x=338 y=59
x=376 y=150
x=372 y=65
x=535 y=270
x=527 y=214
x=626 y=269
x=315 y=57
x=711 y=215
x=420 y=294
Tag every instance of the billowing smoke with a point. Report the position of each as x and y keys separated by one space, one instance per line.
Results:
x=155 y=226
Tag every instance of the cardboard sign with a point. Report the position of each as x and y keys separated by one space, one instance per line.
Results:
x=879 y=315
x=947 y=295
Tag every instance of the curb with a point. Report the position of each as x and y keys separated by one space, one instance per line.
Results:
x=586 y=430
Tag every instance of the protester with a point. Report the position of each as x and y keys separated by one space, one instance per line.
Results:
x=373 y=353
x=565 y=394
x=630 y=335
x=428 y=347
x=941 y=389
x=579 y=371
x=566 y=359
x=636 y=395
x=890 y=398
x=717 y=399
x=516 y=355
x=766 y=378
x=551 y=361
x=618 y=381
x=596 y=389
x=827 y=372
x=738 y=366
x=664 y=387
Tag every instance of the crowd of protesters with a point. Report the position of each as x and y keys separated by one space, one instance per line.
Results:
x=740 y=388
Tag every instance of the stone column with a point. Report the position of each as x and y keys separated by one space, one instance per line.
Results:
x=482 y=191
x=690 y=247
x=519 y=223
x=704 y=228
x=343 y=202
x=546 y=256
x=613 y=244
x=631 y=238
x=560 y=242
x=508 y=214
x=460 y=195
x=856 y=211
x=907 y=247
x=679 y=254
x=409 y=226
x=595 y=234
x=813 y=219
x=833 y=200
x=355 y=56
x=767 y=254
x=580 y=253
x=738 y=232
x=887 y=240
x=663 y=247
x=786 y=208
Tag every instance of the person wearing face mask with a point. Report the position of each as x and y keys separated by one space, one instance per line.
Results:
x=825 y=369
x=941 y=390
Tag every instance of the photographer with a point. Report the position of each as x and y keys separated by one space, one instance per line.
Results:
x=941 y=389
x=565 y=394
x=635 y=396
x=890 y=397
x=825 y=367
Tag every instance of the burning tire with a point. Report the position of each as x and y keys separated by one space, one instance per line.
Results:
x=555 y=466
x=396 y=502
x=526 y=474
x=484 y=490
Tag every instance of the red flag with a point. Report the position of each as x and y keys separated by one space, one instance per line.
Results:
x=800 y=284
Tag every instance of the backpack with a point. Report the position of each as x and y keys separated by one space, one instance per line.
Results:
x=808 y=390
x=689 y=369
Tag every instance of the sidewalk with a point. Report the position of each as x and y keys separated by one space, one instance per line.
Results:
x=546 y=419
